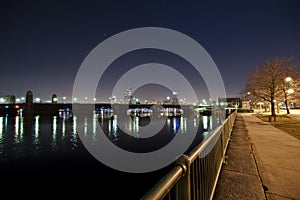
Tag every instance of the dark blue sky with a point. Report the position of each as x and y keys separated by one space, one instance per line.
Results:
x=42 y=44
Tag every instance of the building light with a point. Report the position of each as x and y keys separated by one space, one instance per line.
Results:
x=38 y=100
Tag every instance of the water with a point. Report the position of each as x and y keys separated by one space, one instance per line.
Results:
x=48 y=148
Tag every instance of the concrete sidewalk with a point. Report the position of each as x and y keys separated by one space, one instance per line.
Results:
x=262 y=163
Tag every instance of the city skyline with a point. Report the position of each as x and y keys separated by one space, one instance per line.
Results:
x=44 y=44
x=161 y=95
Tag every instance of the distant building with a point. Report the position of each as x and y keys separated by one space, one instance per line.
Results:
x=154 y=101
x=8 y=99
x=246 y=104
x=174 y=99
x=230 y=102
x=128 y=96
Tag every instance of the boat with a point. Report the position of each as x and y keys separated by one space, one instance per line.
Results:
x=104 y=112
x=140 y=112
x=65 y=113
x=171 y=112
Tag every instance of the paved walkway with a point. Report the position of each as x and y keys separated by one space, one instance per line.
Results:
x=262 y=163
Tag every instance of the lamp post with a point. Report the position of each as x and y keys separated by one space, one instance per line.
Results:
x=287 y=92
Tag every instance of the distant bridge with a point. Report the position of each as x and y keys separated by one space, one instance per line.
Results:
x=53 y=108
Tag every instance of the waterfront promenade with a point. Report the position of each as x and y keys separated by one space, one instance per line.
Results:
x=262 y=162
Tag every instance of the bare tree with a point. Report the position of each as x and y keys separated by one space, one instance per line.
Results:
x=268 y=82
x=294 y=86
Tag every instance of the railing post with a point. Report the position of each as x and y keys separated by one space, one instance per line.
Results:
x=184 y=184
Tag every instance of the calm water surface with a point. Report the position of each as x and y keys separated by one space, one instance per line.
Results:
x=47 y=148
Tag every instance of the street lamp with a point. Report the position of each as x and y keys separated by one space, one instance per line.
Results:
x=288 y=79
x=290 y=91
x=246 y=96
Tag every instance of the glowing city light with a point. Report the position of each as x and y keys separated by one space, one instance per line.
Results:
x=38 y=100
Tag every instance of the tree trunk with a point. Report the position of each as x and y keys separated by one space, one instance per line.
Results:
x=287 y=107
x=273 y=108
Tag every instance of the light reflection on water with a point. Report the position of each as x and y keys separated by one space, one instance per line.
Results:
x=34 y=136
x=37 y=129
x=1 y=126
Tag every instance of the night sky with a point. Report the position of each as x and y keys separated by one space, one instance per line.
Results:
x=43 y=43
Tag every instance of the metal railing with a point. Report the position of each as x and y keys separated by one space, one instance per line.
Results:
x=195 y=175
